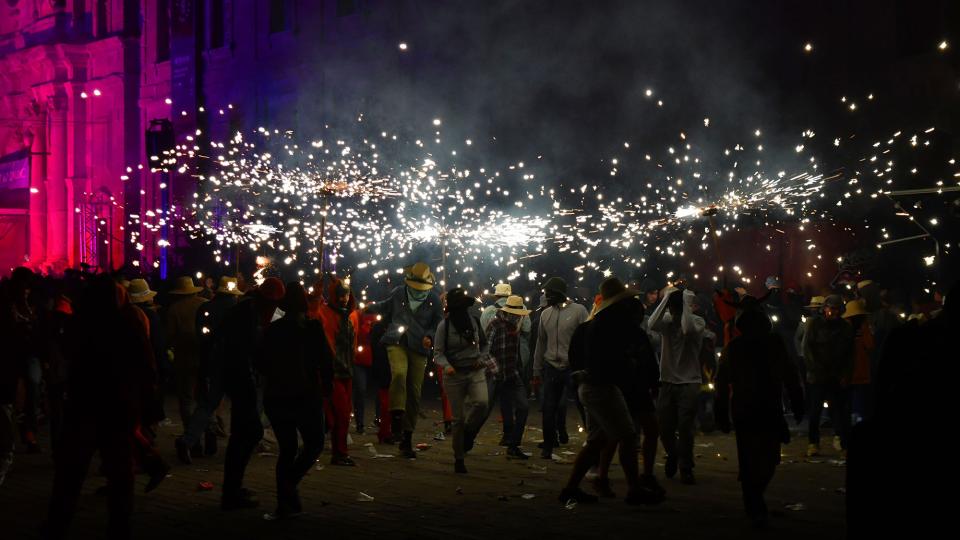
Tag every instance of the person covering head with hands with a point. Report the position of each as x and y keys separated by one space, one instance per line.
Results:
x=681 y=334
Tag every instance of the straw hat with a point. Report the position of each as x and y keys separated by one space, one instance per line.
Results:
x=503 y=290
x=817 y=302
x=228 y=285
x=418 y=277
x=139 y=291
x=514 y=305
x=184 y=286
x=854 y=308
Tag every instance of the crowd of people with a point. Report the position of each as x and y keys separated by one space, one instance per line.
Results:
x=92 y=354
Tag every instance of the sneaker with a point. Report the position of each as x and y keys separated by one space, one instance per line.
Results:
x=459 y=467
x=406 y=447
x=650 y=482
x=504 y=442
x=602 y=488
x=448 y=427
x=670 y=468
x=577 y=495
x=515 y=452
x=541 y=444
x=183 y=452
x=439 y=436
x=563 y=438
x=344 y=461
x=281 y=513
x=546 y=454
x=687 y=478
x=813 y=450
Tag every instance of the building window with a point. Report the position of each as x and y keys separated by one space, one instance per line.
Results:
x=163 y=30
x=346 y=7
x=217 y=21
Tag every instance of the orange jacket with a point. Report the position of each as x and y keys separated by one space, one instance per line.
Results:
x=330 y=315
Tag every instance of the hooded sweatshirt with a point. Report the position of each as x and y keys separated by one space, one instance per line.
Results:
x=557 y=325
x=451 y=348
x=339 y=326
x=681 y=341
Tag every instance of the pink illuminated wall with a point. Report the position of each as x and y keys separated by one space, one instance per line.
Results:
x=66 y=70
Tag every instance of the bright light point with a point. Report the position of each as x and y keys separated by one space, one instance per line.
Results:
x=96 y=92
x=168 y=101
x=83 y=95
x=649 y=92
x=686 y=212
x=402 y=46
x=436 y=121
x=808 y=47
x=929 y=260
x=943 y=45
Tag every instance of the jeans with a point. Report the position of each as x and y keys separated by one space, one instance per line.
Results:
x=361 y=376
x=677 y=411
x=186 y=370
x=839 y=400
x=245 y=432
x=406 y=383
x=203 y=415
x=467 y=391
x=514 y=408
x=338 y=416
x=289 y=417
x=556 y=384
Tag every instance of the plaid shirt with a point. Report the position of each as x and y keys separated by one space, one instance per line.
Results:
x=504 y=338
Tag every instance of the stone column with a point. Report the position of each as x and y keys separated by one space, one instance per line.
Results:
x=56 y=184
x=38 y=201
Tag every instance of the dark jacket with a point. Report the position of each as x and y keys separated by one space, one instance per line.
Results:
x=297 y=361
x=829 y=351
x=210 y=317
x=754 y=369
x=617 y=349
x=242 y=336
x=396 y=313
